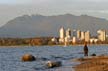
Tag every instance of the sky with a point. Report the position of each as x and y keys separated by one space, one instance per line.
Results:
x=9 y=9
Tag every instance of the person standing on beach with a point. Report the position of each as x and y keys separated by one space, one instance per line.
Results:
x=85 y=50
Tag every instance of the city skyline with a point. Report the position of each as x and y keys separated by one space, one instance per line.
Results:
x=75 y=36
x=10 y=9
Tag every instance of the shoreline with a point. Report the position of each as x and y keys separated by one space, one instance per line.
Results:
x=93 y=63
x=52 y=45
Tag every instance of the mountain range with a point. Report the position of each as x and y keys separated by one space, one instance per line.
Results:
x=40 y=26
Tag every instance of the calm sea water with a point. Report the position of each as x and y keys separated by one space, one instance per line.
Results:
x=10 y=58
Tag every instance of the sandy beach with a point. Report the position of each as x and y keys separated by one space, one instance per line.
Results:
x=95 y=63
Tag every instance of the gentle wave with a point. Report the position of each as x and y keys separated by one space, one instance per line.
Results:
x=10 y=58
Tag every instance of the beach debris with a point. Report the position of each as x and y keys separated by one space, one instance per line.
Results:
x=81 y=59
x=28 y=57
x=52 y=64
x=93 y=54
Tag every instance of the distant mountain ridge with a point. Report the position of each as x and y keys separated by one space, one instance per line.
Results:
x=39 y=25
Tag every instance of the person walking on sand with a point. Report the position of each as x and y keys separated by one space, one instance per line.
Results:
x=85 y=50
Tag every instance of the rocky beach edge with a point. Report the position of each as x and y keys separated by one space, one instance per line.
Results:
x=92 y=63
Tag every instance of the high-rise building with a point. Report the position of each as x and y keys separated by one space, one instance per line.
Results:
x=74 y=33
x=62 y=34
x=68 y=33
x=74 y=40
x=87 y=36
x=67 y=40
x=101 y=35
x=82 y=35
x=78 y=34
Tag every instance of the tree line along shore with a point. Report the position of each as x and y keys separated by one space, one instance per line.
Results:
x=37 y=41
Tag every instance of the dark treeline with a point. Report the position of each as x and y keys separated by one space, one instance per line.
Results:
x=38 y=41
x=25 y=41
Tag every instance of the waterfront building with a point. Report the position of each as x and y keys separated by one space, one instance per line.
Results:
x=101 y=35
x=68 y=33
x=93 y=40
x=82 y=35
x=68 y=36
x=54 y=39
x=74 y=40
x=62 y=34
x=87 y=36
x=78 y=34
x=106 y=36
x=74 y=33
x=67 y=40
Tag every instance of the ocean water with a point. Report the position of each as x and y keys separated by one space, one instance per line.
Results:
x=10 y=57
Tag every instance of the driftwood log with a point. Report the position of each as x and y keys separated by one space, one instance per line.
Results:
x=52 y=64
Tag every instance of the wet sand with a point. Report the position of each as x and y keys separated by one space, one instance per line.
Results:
x=97 y=63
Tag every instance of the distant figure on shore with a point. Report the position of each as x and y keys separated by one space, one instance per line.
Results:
x=85 y=50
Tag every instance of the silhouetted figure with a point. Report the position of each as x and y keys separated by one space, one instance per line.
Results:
x=85 y=50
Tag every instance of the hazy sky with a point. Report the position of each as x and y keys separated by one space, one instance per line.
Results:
x=10 y=9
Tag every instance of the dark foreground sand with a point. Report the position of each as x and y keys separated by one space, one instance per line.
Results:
x=97 y=63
